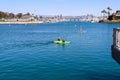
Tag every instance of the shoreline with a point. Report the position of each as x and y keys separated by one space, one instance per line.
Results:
x=30 y=22
x=110 y=21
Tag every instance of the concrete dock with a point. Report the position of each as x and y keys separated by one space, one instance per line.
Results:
x=115 y=48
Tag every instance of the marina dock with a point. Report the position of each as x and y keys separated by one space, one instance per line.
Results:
x=115 y=49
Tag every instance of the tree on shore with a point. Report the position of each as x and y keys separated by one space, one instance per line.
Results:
x=19 y=15
x=103 y=12
x=106 y=12
x=3 y=15
x=6 y=15
x=11 y=15
x=27 y=14
x=109 y=9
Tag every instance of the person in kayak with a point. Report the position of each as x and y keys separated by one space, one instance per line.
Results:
x=58 y=39
x=63 y=40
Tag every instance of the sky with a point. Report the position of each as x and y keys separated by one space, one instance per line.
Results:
x=56 y=7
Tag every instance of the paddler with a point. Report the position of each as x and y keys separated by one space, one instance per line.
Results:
x=63 y=40
x=58 y=39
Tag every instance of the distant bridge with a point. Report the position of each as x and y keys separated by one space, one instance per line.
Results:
x=75 y=19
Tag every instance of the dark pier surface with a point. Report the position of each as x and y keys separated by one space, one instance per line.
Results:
x=115 y=53
x=115 y=48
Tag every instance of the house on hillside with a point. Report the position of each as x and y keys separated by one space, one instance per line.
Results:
x=27 y=18
x=117 y=15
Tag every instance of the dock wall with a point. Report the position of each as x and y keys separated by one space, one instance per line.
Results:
x=115 y=48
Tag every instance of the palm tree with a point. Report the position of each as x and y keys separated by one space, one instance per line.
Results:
x=109 y=9
x=104 y=12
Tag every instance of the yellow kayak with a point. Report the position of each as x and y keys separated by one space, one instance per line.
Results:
x=61 y=42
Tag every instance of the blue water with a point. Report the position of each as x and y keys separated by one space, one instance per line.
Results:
x=27 y=52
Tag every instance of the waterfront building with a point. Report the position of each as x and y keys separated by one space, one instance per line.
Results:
x=117 y=15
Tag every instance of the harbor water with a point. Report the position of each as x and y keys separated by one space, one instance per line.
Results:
x=27 y=52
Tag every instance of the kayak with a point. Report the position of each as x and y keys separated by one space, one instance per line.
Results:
x=61 y=42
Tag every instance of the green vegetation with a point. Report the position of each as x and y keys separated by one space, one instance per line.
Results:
x=103 y=12
x=110 y=18
x=106 y=11
x=109 y=9
x=7 y=15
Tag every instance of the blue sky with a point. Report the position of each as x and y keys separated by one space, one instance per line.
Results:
x=55 y=7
